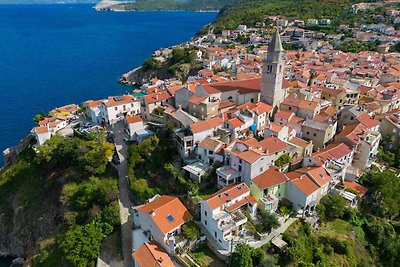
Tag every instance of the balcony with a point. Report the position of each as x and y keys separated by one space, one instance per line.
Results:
x=227 y=175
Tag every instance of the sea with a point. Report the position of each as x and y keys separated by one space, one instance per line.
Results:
x=52 y=55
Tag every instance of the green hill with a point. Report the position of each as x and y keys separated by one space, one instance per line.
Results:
x=251 y=11
x=192 y=5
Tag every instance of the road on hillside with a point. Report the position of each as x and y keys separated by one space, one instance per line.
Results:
x=124 y=200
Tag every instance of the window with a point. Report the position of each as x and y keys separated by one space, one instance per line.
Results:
x=290 y=108
x=352 y=118
x=261 y=169
x=215 y=234
x=240 y=161
x=205 y=222
x=308 y=133
x=269 y=68
x=210 y=152
x=116 y=108
x=240 y=168
x=205 y=213
x=315 y=134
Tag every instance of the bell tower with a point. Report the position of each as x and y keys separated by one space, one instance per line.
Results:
x=272 y=74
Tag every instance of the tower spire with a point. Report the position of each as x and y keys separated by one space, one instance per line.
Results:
x=275 y=48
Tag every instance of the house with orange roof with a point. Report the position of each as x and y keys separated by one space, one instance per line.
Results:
x=222 y=215
x=42 y=134
x=65 y=111
x=162 y=218
x=151 y=254
x=390 y=126
x=133 y=124
x=149 y=103
x=364 y=141
x=115 y=108
x=283 y=132
x=92 y=110
x=268 y=188
x=306 y=187
x=188 y=138
x=335 y=158
x=302 y=108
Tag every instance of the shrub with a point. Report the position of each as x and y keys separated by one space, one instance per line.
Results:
x=191 y=230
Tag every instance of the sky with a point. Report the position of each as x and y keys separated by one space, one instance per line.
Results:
x=45 y=1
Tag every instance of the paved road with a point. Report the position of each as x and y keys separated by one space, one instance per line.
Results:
x=124 y=201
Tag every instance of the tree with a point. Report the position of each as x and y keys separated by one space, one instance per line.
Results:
x=191 y=230
x=81 y=245
x=95 y=156
x=396 y=47
x=38 y=117
x=283 y=160
x=242 y=256
x=383 y=198
x=269 y=221
x=332 y=206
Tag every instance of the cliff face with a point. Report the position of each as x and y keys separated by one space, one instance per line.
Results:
x=138 y=76
x=28 y=214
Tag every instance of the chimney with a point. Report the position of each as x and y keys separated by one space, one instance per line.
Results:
x=153 y=213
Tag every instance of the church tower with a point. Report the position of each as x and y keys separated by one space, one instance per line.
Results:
x=272 y=74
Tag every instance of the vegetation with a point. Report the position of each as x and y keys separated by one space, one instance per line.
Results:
x=145 y=175
x=332 y=206
x=181 y=63
x=383 y=198
x=268 y=222
x=242 y=256
x=356 y=47
x=191 y=230
x=396 y=47
x=78 y=186
x=252 y=11
x=40 y=116
x=283 y=160
x=193 y=5
x=205 y=257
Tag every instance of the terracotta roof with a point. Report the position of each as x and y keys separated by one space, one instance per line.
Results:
x=332 y=151
x=133 y=119
x=41 y=129
x=210 y=143
x=118 y=100
x=299 y=142
x=318 y=174
x=304 y=183
x=206 y=125
x=355 y=186
x=93 y=103
x=235 y=122
x=261 y=108
x=152 y=255
x=270 y=178
x=244 y=86
x=283 y=114
x=367 y=121
x=197 y=100
x=272 y=145
x=156 y=97
x=226 y=104
x=226 y=194
x=167 y=212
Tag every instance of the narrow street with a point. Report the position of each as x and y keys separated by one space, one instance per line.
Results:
x=124 y=201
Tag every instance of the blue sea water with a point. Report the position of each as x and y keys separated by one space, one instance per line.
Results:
x=51 y=55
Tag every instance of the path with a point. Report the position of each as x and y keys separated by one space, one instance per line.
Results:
x=274 y=233
x=125 y=203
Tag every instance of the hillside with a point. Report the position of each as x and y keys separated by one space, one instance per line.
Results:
x=58 y=202
x=189 y=5
x=251 y=11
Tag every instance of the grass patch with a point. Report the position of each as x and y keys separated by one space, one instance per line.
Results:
x=204 y=256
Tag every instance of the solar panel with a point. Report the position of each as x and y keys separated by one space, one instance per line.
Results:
x=118 y=98
x=170 y=218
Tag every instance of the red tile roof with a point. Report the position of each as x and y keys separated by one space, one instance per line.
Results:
x=163 y=207
x=270 y=178
x=367 y=121
x=133 y=119
x=118 y=100
x=226 y=194
x=272 y=145
x=206 y=125
x=157 y=97
x=152 y=255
